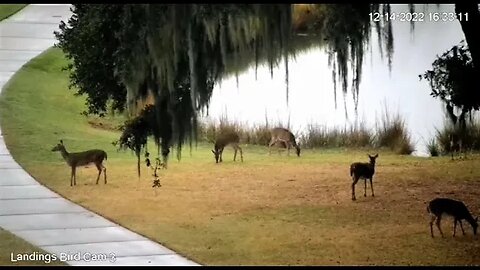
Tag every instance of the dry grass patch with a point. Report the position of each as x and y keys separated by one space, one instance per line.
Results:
x=285 y=210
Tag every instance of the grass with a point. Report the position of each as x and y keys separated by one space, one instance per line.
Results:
x=7 y=10
x=11 y=244
x=471 y=137
x=433 y=148
x=268 y=210
x=392 y=133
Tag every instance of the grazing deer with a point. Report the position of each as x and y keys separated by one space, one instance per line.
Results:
x=363 y=170
x=79 y=159
x=456 y=209
x=224 y=139
x=283 y=135
x=456 y=144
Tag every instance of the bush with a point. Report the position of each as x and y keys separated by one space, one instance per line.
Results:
x=433 y=148
x=471 y=137
x=322 y=136
x=392 y=133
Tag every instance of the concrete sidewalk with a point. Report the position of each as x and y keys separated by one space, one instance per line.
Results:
x=33 y=212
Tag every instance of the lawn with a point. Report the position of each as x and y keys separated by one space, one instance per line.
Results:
x=7 y=10
x=268 y=210
x=11 y=244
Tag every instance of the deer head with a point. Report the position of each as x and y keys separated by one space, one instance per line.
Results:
x=373 y=159
x=58 y=147
x=298 y=151
x=217 y=153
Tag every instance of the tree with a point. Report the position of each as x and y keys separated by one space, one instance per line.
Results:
x=453 y=80
x=90 y=43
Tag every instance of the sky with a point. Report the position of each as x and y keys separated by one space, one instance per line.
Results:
x=311 y=97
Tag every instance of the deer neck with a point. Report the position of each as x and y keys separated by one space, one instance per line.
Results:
x=64 y=154
x=372 y=166
x=470 y=219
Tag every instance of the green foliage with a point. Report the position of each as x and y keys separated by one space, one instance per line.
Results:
x=89 y=42
x=433 y=148
x=451 y=80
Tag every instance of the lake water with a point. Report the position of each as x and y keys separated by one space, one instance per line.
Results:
x=311 y=96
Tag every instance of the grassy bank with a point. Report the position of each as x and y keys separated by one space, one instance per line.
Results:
x=7 y=10
x=10 y=244
x=272 y=210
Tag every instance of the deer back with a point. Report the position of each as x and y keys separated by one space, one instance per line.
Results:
x=360 y=169
x=84 y=158
x=450 y=207
x=283 y=134
x=225 y=139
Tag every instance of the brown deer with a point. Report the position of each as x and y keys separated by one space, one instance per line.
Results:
x=224 y=139
x=79 y=159
x=363 y=170
x=283 y=135
x=456 y=209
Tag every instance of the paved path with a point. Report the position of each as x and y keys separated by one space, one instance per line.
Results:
x=33 y=212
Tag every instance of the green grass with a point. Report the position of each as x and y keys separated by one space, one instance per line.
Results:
x=7 y=10
x=10 y=244
x=268 y=210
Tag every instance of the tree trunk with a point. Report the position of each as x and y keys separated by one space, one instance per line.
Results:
x=470 y=29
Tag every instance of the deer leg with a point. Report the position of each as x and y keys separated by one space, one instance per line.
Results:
x=99 y=168
x=241 y=153
x=461 y=226
x=371 y=186
x=355 y=180
x=431 y=224
x=454 y=226
x=235 y=154
x=439 y=219
x=288 y=148
x=71 y=176
x=365 y=190
x=272 y=142
x=105 y=173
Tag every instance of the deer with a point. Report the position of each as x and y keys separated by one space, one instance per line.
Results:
x=285 y=136
x=454 y=208
x=79 y=159
x=366 y=171
x=224 y=139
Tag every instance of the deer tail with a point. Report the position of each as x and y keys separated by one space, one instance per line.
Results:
x=105 y=155
x=351 y=170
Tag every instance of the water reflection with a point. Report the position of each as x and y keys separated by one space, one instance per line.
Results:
x=311 y=97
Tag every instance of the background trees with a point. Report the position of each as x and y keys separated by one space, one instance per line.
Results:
x=176 y=53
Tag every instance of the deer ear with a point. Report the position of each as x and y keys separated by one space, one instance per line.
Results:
x=61 y=142
x=376 y=155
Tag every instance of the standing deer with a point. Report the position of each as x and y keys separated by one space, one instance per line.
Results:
x=456 y=209
x=80 y=159
x=224 y=139
x=283 y=135
x=363 y=170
